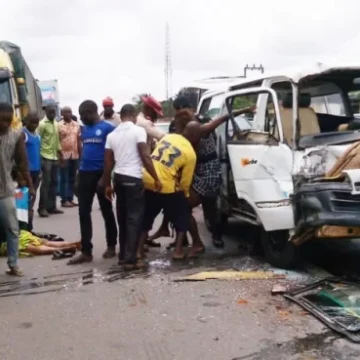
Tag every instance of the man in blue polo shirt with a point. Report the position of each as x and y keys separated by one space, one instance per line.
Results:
x=93 y=138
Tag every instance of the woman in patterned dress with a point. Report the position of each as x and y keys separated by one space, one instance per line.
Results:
x=207 y=180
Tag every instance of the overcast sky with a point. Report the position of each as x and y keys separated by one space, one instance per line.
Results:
x=116 y=48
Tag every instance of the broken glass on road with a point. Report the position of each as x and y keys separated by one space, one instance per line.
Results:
x=335 y=302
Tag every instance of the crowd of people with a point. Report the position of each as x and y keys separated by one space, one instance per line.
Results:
x=121 y=155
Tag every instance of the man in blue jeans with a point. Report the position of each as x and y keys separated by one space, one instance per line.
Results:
x=50 y=156
x=69 y=132
x=32 y=144
x=12 y=148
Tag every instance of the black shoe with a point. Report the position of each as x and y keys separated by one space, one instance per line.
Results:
x=43 y=213
x=109 y=252
x=55 y=211
x=218 y=242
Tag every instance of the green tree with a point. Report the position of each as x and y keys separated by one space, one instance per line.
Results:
x=166 y=105
x=137 y=102
x=244 y=101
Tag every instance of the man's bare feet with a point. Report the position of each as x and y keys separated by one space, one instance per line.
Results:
x=178 y=255
x=195 y=251
x=140 y=255
x=172 y=245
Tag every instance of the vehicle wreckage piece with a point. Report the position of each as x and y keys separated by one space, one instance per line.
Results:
x=329 y=231
x=328 y=206
x=334 y=302
x=232 y=275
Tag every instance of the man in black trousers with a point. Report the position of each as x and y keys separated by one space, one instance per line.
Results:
x=93 y=138
x=127 y=153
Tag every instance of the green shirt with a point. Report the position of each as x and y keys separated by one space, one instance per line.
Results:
x=50 y=140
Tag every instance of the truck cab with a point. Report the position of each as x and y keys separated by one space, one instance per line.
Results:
x=291 y=169
x=8 y=92
x=17 y=84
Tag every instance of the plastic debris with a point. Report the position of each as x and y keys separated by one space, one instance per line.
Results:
x=232 y=275
x=279 y=289
x=242 y=302
x=283 y=313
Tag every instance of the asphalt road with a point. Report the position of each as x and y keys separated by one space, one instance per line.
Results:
x=94 y=312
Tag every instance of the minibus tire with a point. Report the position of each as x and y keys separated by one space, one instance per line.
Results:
x=278 y=251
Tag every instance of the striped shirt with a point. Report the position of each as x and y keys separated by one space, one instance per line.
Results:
x=8 y=143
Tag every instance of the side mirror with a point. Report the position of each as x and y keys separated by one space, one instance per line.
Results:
x=22 y=94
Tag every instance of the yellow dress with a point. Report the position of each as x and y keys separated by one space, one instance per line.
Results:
x=26 y=238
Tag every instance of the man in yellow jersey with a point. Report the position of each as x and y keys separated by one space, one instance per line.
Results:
x=174 y=160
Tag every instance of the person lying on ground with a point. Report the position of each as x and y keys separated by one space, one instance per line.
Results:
x=174 y=160
x=30 y=244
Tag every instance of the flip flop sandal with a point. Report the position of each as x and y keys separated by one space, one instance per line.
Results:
x=179 y=258
x=195 y=254
x=62 y=255
x=57 y=238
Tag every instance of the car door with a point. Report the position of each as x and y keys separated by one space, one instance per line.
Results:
x=260 y=161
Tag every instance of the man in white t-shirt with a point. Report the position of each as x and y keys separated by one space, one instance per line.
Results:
x=127 y=153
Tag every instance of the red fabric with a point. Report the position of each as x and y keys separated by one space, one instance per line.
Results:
x=153 y=103
x=108 y=101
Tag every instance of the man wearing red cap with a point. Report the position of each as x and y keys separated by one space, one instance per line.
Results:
x=109 y=115
x=151 y=110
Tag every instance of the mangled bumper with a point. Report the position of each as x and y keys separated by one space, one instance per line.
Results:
x=334 y=204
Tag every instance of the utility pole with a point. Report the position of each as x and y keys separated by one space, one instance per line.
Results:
x=252 y=68
x=168 y=68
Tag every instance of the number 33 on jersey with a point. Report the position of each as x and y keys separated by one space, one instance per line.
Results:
x=174 y=160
